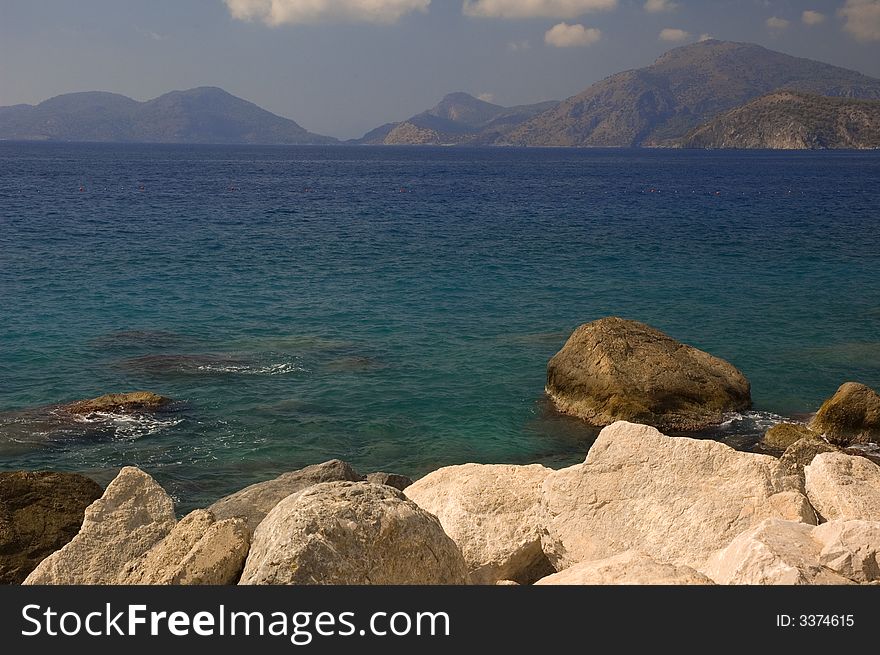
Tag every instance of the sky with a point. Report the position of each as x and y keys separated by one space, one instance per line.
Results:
x=343 y=67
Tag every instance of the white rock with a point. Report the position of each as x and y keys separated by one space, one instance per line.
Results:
x=852 y=548
x=352 y=533
x=677 y=499
x=775 y=552
x=198 y=551
x=132 y=516
x=629 y=568
x=493 y=513
x=843 y=487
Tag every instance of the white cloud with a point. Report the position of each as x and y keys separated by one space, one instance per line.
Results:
x=862 y=19
x=674 y=35
x=776 y=23
x=486 y=97
x=535 y=8
x=518 y=46
x=705 y=37
x=660 y=6
x=280 y=12
x=571 y=36
x=811 y=17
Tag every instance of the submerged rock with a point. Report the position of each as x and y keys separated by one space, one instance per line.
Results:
x=39 y=513
x=614 y=369
x=493 y=513
x=844 y=487
x=253 y=503
x=783 y=435
x=119 y=403
x=851 y=416
x=349 y=533
x=399 y=482
x=629 y=568
x=132 y=515
x=676 y=499
x=198 y=551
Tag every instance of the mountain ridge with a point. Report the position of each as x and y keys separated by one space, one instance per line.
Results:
x=201 y=115
x=682 y=89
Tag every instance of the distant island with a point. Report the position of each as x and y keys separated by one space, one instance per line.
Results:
x=711 y=94
x=202 y=115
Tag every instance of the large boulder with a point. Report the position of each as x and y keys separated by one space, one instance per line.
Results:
x=619 y=370
x=132 y=516
x=677 y=499
x=198 y=551
x=349 y=533
x=253 y=503
x=783 y=435
x=629 y=568
x=39 y=513
x=493 y=513
x=844 y=487
x=119 y=403
x=774 y=552
x=850 y=416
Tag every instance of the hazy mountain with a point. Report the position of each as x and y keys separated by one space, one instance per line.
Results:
x=459 y=118
x=202 y=115
x=788 y=120
x=683 y=89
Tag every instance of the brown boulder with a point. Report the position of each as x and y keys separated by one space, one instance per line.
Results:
x=39 y=513
x=850 y=416
x=619 y=370
x=783 y=435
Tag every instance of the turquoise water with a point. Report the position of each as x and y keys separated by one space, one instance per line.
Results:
x=397 y=307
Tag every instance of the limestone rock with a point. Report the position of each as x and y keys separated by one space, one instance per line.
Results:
x=850 y=416
x=119 y=403
x=844 y=487
x=614 y=369
x=774 y=552
x=132 y=516
x=678 y=499
x=493 y=513
x=198 y=551
x=253 y=503
x=783 y=435
x=800 y=454
x=629 y=568
x=399 y=482
x=852 y=548
x=39 y=513
x=348 y=533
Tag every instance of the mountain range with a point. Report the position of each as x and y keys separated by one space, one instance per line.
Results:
x=202 y=115
x=711 y=94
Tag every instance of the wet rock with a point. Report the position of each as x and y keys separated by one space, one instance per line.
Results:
x=851 y=416
x=119 y=403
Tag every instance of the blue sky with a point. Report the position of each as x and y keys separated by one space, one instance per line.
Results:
x=341 y=67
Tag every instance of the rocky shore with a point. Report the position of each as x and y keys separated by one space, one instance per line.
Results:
x=643 y=507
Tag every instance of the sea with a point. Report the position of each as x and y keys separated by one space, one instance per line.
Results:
x=397 y=307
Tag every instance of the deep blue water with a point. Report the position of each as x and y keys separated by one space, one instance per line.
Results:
x=397 y=307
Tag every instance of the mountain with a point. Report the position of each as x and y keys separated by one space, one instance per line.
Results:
x=683 y=89
x=202 y=115
x=459 y=118
x=788 y=120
